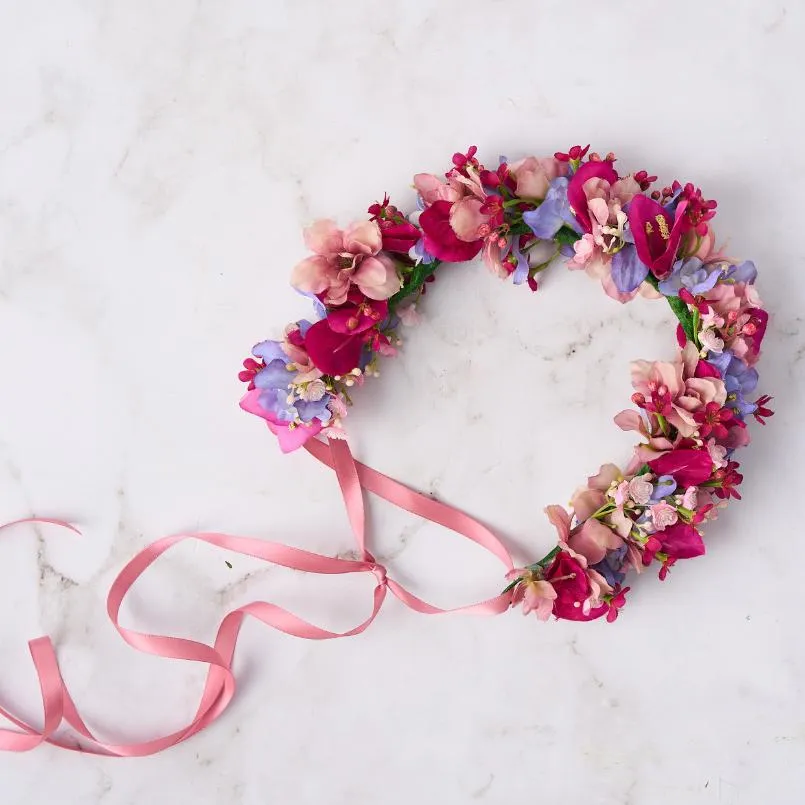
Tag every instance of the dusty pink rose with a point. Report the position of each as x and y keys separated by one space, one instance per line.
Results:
x=640 y=490
x=493 y=258
x=592 y=539
x=534 y=594
x=342 y=258
x=587 y=500
x=744 y=320
x=663 y=515
x=671 y=389
x=433 y=189
x=534 y=174
x=293 y=344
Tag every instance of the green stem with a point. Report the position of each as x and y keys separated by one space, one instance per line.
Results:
x=417 y=279
x=679 y=308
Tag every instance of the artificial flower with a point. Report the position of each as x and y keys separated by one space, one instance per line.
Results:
x=345 y=258
x=656 y=233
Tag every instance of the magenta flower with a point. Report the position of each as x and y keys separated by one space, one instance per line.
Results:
x=343 y=258
x=656 y=234
x=440 y=239
x=715 y=420
x=576 y=196
x=688 y=467
x=335 y=344
x=399 y=234
x=677 y=541
x=568 y=576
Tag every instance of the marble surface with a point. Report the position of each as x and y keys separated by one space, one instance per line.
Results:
x=157 y=161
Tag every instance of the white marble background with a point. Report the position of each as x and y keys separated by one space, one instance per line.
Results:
x=157 y=160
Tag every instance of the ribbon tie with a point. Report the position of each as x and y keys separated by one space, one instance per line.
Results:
x=219 y=687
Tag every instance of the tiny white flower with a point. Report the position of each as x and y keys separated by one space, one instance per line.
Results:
x=313 y=391
x=640 y=490
x=718 y=453
x=711 y=341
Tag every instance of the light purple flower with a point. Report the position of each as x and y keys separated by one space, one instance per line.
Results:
x=692 y=274
x=739 y=380
x=628 y=270
x=520 y=274
x=743 y=272
x=664 y=485
x=553 y=212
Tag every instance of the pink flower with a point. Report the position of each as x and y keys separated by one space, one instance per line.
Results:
x=587 y=500
x=570 y=581
x=440 y=238
x=533 y=175
x=663 y=515
x=743 y=321
x=433 y=189
x=535 y=594
x=640 y=490
x=343 y=258
x=673 y=391
x=293 y=345
x=576 y=191
x=493 y=255
x=289 y=435
x=591 y=539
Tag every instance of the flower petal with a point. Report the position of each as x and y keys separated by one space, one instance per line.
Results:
x=324 y=237
x=333 y=353
x=363 y=237
x=466 y=218
x=377 y=277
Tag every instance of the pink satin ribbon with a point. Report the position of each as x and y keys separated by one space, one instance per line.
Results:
x=219 y=687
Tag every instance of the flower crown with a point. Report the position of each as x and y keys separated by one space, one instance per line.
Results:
x=366 y=281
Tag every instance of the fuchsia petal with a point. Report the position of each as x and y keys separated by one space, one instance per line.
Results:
x=331 y=352
x=440 y=239
x=688 y=467
x=681 y=541
x=575 y=189
x=289 y=438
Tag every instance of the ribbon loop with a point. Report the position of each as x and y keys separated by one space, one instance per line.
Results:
x=220 y=685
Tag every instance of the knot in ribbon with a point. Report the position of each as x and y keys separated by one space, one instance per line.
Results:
x=219 y=688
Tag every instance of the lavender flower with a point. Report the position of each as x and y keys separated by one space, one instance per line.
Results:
x=738 y=378
x=554 y=211
x=692 y=274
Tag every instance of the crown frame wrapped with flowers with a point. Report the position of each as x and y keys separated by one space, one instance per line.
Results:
x=366 y=280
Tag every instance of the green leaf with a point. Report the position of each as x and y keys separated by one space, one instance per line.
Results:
x=566 y=236
x=416 y=279
x=679 y=308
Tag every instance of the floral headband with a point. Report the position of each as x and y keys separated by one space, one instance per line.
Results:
x=365 y=283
